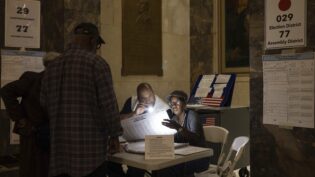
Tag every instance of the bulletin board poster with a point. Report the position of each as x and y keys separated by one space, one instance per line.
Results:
x=13 y=64
x=289 y=90
x=285 y=24
x=22 y=23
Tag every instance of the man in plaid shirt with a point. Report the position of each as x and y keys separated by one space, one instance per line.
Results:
x=77 y=93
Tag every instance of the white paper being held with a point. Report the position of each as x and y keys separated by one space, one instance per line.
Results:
x=135 y=128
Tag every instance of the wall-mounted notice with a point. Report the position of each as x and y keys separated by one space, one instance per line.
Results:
x=289 y=90
x=14 y=63
x=22 y=24
x=285 y=23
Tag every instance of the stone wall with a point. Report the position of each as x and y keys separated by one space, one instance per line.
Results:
x=175 y=49
x=58 y=18
x=202 y=46
x=201 y=38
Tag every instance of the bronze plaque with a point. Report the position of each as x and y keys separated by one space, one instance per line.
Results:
x=141 y=37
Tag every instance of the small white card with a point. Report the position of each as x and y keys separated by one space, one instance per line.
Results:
x=202 y=92
x=223 y=78
x=14 y=138
x=159 y=147
x=217 y=93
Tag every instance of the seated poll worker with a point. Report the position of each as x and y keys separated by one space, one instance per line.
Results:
x=189 y=130
x=145 y=101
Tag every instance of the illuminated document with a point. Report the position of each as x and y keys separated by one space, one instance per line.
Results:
x=135 y=128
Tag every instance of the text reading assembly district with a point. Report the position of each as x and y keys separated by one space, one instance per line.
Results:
x=284 y=31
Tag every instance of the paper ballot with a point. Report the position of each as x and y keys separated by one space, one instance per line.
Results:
x=135 y=128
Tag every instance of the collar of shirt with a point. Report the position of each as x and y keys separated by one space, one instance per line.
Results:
x=76 y=47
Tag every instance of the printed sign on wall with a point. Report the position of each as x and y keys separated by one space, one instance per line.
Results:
x=285 y=23
x=22 y=24
x=289 y=90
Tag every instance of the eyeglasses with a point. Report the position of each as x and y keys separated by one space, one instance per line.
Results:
x=174 y=103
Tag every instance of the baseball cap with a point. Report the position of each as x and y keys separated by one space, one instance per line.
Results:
x=181 y=95
x=88 y=29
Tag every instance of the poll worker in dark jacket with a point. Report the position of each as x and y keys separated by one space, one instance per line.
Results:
x=77 y=93
x=28 y=115
x=189 y=130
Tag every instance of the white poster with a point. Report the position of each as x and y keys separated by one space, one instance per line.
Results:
x=14 y=63
x=289 y=90
x=285 y=23
x=22 y=24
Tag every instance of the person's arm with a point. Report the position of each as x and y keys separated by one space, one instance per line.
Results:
x=126 y=111
x=192 y=133
x=108 y=106
x=14 y=90
x=127 y=116
x=10 y=94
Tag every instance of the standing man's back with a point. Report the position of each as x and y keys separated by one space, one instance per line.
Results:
x=77 y=92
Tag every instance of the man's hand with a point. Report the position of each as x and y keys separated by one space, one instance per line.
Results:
x=23 y=127
x=113 y=145
x=140 y=109
x=171 y=124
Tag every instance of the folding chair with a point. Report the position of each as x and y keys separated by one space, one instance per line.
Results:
x=216 y=134
x=226 y=170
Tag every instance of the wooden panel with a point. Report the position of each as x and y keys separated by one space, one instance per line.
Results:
x=142 y=37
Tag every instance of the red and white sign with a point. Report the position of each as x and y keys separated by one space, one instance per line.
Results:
x=285 y=23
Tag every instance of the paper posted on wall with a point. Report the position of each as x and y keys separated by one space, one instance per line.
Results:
x=289 y=90
x=135 y=128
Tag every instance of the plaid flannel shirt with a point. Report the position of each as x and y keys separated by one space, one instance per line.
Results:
x=77 y=93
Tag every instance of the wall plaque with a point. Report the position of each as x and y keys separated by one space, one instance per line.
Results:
x=141 y=37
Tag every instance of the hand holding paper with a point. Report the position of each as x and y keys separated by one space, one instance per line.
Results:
x=140 y=109
x=135 y=128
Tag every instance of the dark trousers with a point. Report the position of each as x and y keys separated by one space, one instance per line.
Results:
x=34 y=161
x=100 y=171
